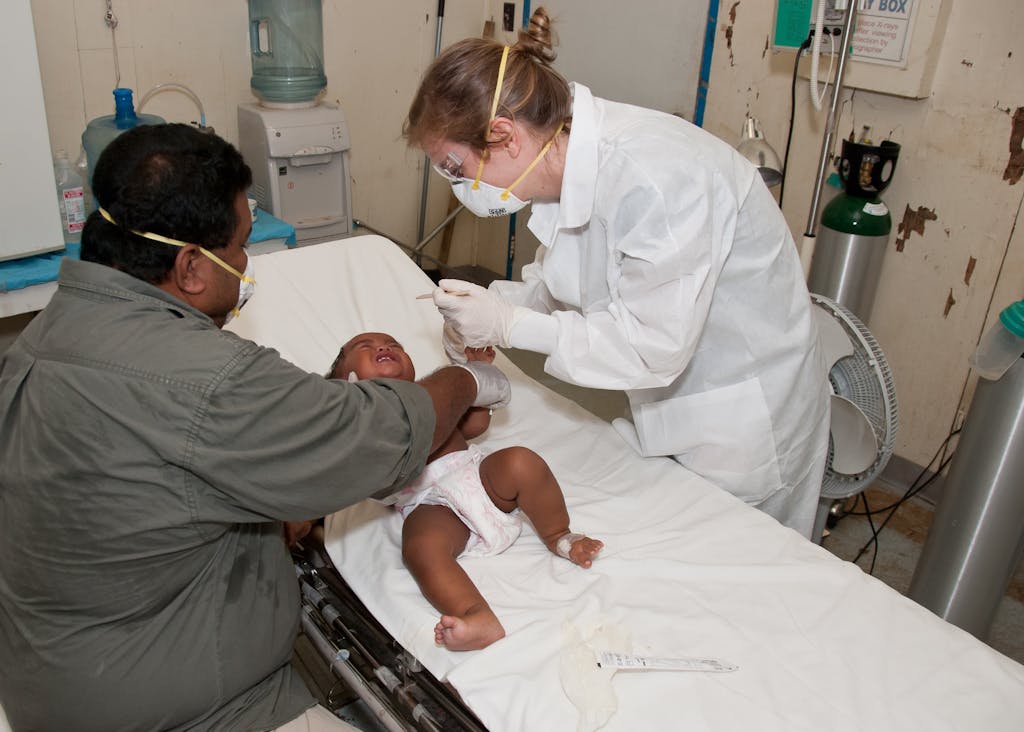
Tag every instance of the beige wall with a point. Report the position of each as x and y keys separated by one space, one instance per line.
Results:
x=955 y=148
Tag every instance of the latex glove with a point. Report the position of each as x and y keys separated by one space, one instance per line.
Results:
x=454 y=346
x=481 y=317
x=492 y=388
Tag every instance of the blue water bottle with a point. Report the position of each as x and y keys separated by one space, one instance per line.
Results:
x=100 y=131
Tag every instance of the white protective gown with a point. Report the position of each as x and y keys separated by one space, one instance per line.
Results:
x=669 y=272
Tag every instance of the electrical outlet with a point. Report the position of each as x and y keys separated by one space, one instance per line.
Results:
x=508 y=17
x=835 y=15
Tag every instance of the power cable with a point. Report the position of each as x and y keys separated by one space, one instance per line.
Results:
x=792 y=112
x=914 y=489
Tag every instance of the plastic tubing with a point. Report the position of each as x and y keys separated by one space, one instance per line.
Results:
x=178 y=87
x=819 y=28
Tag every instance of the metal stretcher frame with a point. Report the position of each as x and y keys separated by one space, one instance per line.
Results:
x=361 y=654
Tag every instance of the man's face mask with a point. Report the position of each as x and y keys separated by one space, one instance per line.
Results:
x=484 y=199
x=247 y=279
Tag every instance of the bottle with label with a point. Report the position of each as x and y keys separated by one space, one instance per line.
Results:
x=82 y=168
x=70 y=198
x=1002 y=345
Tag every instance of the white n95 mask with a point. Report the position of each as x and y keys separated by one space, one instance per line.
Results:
x=485 y=200
x=488 y=201
x=246 y=285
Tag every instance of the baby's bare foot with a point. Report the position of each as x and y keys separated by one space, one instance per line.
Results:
x=475 y=630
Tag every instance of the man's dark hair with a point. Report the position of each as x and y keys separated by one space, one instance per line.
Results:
x=166 y=179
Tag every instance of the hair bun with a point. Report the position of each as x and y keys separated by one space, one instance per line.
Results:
x=538 y=39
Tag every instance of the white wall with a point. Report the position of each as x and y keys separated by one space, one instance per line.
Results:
x=956 y=144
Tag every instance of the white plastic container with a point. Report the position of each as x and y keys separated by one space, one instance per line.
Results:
x=1002 y=345
x=70 y=198
x=82 y=168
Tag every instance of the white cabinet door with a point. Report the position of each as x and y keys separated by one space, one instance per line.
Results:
x=29 y=217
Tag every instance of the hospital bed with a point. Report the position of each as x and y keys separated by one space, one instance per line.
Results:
x=687 y=571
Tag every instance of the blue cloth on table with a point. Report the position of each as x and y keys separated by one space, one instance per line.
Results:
x=27 y=271
x=18 y=273
x=266 y=226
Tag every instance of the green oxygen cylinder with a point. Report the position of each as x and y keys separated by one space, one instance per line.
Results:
x=855 y=228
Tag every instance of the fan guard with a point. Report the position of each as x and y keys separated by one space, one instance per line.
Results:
x=859 y=373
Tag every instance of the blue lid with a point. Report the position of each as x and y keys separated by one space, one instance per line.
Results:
x=124 y=109
x=1013 y=318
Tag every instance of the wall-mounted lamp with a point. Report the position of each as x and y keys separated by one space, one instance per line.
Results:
x=756 y=149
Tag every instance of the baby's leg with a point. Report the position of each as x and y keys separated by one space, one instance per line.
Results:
x=517 y=476
x=432 y=537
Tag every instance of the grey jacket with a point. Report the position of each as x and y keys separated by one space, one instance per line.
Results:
x=146 y=460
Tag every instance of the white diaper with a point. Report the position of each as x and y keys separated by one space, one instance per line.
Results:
x=454 y=481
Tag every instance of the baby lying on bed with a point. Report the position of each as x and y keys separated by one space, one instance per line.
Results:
x=465 y=502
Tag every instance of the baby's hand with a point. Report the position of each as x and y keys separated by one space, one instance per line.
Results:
x=485 y=354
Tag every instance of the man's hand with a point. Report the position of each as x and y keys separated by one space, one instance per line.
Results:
x=296 y=531
x=492 y=387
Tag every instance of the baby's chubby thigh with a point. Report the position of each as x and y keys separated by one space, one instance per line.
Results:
x=431 y=531
x=505 y=471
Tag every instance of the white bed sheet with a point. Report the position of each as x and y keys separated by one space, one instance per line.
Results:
x=687 y=569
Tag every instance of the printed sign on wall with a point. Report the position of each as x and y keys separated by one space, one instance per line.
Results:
x=883 y=32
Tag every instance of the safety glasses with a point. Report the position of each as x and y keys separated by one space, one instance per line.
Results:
x=450 y=168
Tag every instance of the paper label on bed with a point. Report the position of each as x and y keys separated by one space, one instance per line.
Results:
x=607 y=659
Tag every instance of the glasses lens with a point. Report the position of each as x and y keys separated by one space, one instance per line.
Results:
x=450 y=168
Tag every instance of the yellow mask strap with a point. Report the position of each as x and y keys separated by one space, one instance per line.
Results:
x=531 y=166
x=178 y=243
x=494 y=112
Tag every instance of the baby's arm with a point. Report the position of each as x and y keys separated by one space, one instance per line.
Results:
x=477 y=420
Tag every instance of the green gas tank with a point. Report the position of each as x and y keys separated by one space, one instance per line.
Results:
x=855 y=228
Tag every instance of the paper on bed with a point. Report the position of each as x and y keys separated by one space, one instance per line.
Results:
x=687 y=570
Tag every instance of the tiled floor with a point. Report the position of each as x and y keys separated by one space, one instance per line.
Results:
x=899 y=544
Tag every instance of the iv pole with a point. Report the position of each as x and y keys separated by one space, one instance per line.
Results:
x=807 y=248
x=426 y=161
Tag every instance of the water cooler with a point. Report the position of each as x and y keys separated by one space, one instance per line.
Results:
x=297 y=146
x=855 y=228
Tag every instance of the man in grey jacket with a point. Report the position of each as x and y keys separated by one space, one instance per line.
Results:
x=149 y=459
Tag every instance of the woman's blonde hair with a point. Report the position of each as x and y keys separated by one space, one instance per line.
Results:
x=455 y=97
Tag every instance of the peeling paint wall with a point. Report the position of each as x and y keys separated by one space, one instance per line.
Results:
x=956 y=255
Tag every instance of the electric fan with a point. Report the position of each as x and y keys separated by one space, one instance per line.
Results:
x=864 y=412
